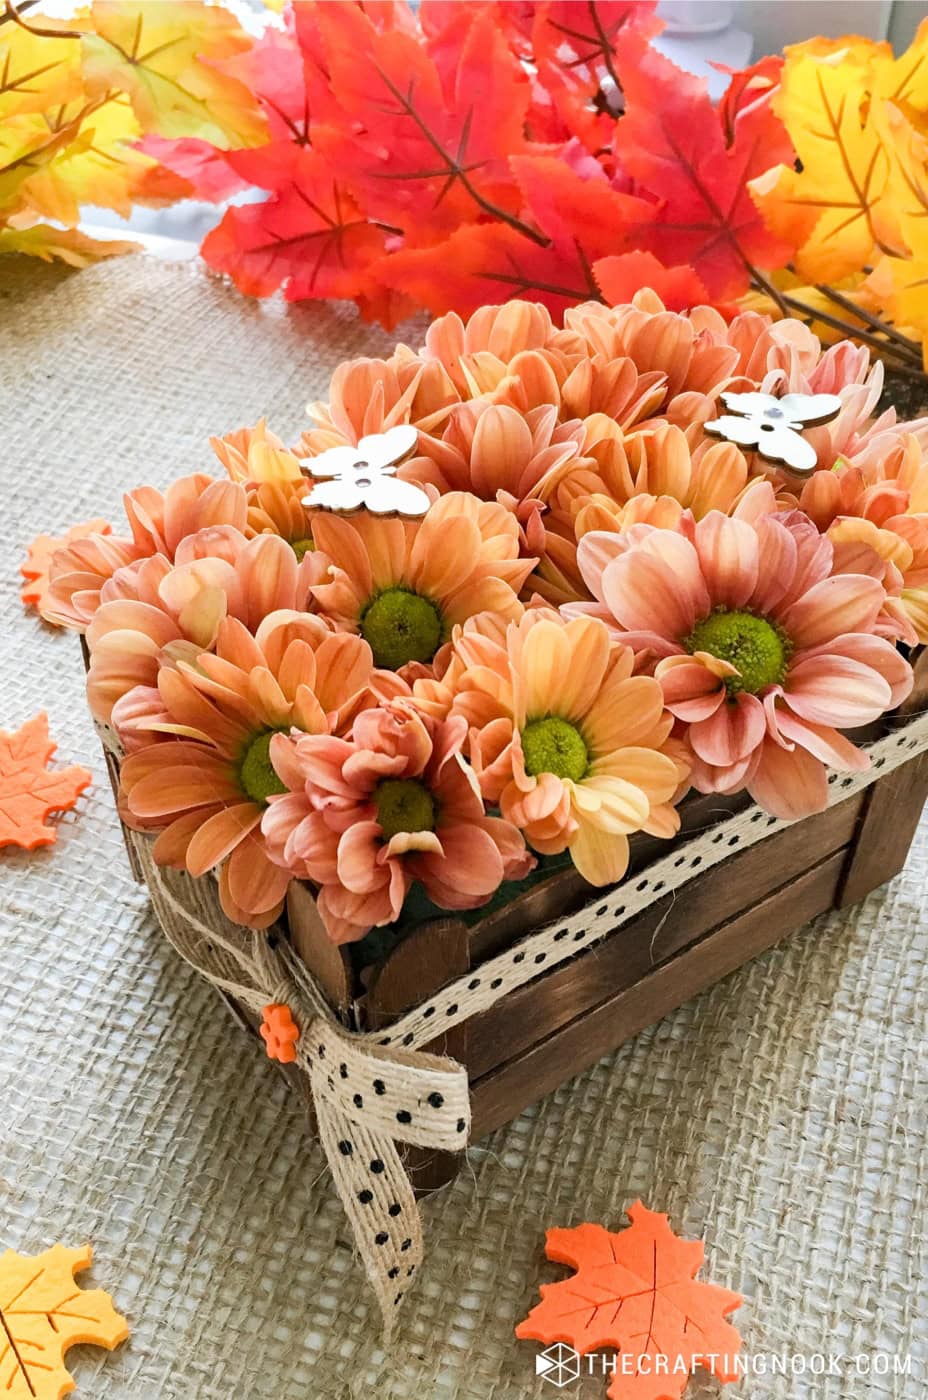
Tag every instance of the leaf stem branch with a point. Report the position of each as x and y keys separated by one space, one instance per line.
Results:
x=876 y=322
x=455 y=170
x=885 y=347
x=14 y=13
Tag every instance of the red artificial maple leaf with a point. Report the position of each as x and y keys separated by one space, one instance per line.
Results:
x=621 y=276
x=671 y=142
x=309 y=236
x=272 y=68
x=576 y=48
x=636 y=1291
x=747 y=86
x=27 y=791
x=487 y=263
x=580 y=215
x=427 y=143
x=200 y=163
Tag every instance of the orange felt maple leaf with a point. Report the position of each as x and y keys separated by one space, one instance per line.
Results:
x=28 y=792
x=637 y=1292
x=43 y=1312
x=35 y=566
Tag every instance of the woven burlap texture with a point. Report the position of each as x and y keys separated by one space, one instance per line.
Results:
x=783 y=1115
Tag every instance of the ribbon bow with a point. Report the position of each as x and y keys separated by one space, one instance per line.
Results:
x=368 y=1097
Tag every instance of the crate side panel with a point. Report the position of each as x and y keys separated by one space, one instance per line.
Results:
x=508 y=1089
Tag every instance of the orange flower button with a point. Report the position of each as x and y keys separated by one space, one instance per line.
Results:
x=280 y=1033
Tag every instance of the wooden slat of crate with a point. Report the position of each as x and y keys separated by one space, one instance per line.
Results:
x=661 y=931
x=509 y=1088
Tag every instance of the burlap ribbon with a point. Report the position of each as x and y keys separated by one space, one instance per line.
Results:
x=367 y=1097
x=374 y=1091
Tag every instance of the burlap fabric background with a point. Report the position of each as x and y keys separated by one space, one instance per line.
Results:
x=783 y=1115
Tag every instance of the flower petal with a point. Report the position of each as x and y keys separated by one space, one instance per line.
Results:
x=789 y=783
x=219 y=835
x=732 y=733
x=834 y=690
x=728 y=555
x=600 y=857
x=843 y=603
x=255 y=883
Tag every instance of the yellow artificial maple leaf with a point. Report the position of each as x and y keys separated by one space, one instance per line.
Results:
x=99 y=167
x=909 y=303
x=43 y=1312
x=36 y=72
x=904 y=80
x=839 y=201
x=866 y=55
x=67 y=245
x=908 y=151
x=161 y=56
x=27 y=143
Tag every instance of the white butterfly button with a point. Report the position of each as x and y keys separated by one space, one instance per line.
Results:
x=774 y=426
x=364 y=477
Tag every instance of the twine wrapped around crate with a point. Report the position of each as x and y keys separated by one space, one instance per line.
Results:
x=374 y=1090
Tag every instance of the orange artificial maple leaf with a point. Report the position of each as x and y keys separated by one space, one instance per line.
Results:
x=35 y=566
x=43 y=1312
x=28 y=793
x=636 y=1292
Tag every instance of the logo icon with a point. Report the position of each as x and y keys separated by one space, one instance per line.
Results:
x=559 y=1364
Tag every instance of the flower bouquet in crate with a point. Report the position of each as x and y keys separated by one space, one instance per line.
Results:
x=534 y=626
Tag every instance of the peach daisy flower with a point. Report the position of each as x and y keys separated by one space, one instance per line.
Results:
x=510 y=354
x=394 y=803
x=651 y=476
x=477 y=355
x=573 y=747
x=404 y=584
x=763 y=652
x=498 y=453
x=158 y=521
x=155 y=612
x=371 y=396
x=884 y=504
x=692 y=351
x=207 y=786
x=276 y=508
x=256 y=454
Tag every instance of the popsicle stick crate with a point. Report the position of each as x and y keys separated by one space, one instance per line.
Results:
x=553 y=674
x=621 y=958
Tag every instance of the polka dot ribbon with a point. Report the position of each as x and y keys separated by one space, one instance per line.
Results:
x=374 y=1091
x=369 y=1099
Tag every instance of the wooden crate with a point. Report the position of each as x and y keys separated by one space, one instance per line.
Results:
x=545 y=1032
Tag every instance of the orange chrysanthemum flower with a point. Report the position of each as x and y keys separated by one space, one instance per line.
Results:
x=574 y=748
x=207 y=784
x=159 y=522
x=156 y=613
x=404 y=584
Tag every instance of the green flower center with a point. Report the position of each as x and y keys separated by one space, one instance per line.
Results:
x=401 y=626
x=256 y=772
x=757 y=647
x=404 y=804
x=301 y=547
x=554 y=745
